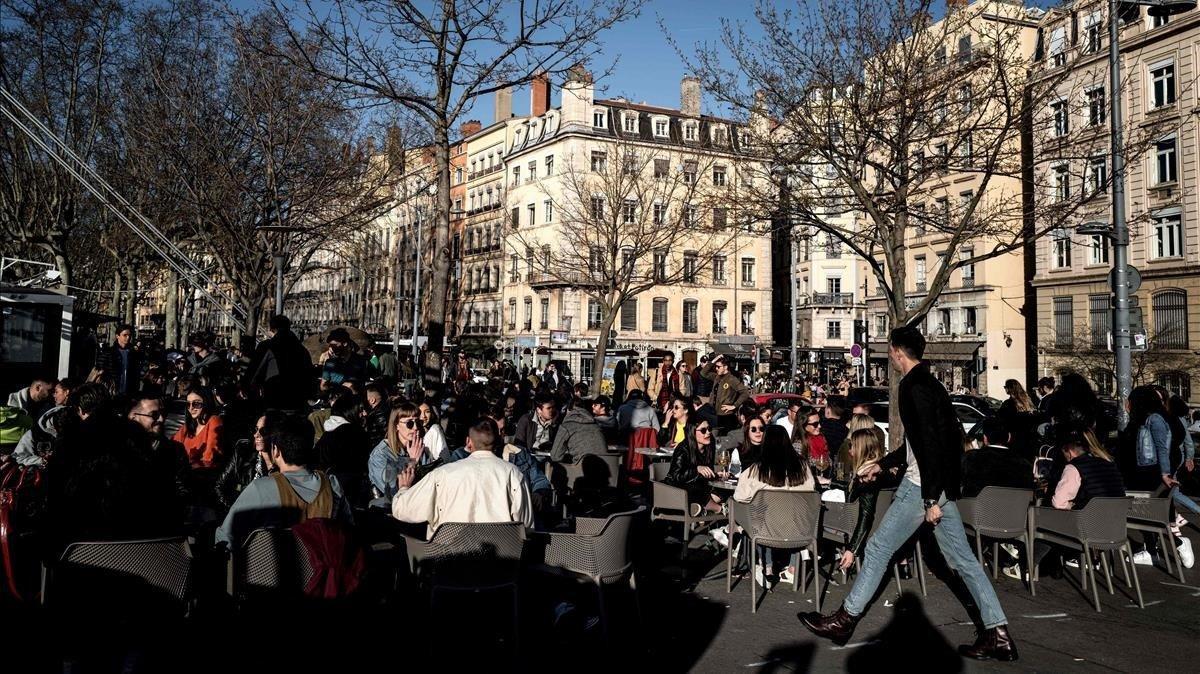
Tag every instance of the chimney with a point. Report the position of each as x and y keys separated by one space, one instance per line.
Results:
x=577 y=97
x=470 y=128
x=503 y=104
x=539 y=94
x=689 y=96
x=954 y=5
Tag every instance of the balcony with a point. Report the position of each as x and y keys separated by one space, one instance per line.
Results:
x=968 y=282
x=833 y=299
x=922 y=287
x=481 y=330
x=545 y=280
x=485 y=172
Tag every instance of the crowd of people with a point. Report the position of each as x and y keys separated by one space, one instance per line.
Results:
x=277 y=437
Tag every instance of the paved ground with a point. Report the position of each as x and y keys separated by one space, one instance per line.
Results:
x=1057 y=631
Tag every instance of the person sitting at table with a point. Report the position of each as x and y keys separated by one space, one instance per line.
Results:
x=578 y=435
x=779 y=467
x=750 y=451
x=866 y=449
x=692 y=467
x=403 y=445
x=602 y=413
x=637 y=413
x=843 y=469
x=677 y=419
x=733 y=439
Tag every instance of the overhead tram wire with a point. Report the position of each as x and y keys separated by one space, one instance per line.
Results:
x=106 y=195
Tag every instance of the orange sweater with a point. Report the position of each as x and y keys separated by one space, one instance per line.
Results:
x=204 y=448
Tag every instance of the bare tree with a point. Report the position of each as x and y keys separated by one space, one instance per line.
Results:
x=890 y=126
x=626 y=220
x=436 y=58
x=1087 y=354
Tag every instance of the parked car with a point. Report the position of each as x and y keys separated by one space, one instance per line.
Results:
x=985 y=405
x=868 y=394
x=968 y=416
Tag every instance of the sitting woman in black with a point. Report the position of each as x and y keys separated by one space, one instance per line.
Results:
x=692 y=466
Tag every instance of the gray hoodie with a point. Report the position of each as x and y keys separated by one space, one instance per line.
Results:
x=578 y=435
x=26 y=453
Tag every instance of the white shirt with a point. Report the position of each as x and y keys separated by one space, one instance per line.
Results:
x=786 y=423
x=480 y=489
x=913 y=472
x=435 y=441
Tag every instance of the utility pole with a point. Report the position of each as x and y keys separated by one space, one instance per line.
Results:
x=795 y=314
x=417 y=294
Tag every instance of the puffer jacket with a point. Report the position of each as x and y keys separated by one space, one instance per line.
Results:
x=578 y=435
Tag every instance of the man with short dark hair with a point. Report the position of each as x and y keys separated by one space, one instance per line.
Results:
x=480 y=489
x=148 y=413
x=932 y=459
x=202 y=359
x=343 y=362
x=1045 y=389
x=728 y=393
x=994 y=464
x=833 y=423
x=536 y=430
x=281 y=368
x=663 y=383
x=34 y=399
x=121 y=360
x=294 y=494
x=788 y=422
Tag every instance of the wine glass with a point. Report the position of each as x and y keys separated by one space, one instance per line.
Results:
x=723 y=460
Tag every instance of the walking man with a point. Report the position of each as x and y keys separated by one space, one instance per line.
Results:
x=933 y=455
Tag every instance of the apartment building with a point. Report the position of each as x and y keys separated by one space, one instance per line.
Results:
x=722 y=303
x=1158 y=98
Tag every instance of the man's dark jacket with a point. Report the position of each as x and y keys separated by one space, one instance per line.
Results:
x=934 y=432
x=283 y=368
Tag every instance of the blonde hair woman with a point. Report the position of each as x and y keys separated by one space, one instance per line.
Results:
x=859 y=422
x=866 y=449
x=403 y=445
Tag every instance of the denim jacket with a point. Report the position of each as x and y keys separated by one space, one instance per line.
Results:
x=1154 y=444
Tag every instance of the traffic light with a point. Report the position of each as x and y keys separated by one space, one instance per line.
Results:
x=860 y=331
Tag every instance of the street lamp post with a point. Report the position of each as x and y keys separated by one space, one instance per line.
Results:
x=1122 y=339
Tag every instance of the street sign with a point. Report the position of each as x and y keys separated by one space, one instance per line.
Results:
x=855 y=360
x=856 y=351
x=1132 y=277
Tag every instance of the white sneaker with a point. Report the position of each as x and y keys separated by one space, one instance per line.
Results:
x=1180 y=520
x=1143 y=558
x=759 y=576
x=1073 y=563
x=697 y=509
x=720 y=537
x=1185 y=553
x=1010 y=549
x=1014 y=572
x=805 y=555
x=785 y=576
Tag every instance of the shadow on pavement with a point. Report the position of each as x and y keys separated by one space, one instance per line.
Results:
x=908 y=637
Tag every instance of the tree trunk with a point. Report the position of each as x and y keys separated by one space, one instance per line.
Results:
x=116 y=299
x=602 y=349
x=171 y=320
x=435 y=318
x=130 y=295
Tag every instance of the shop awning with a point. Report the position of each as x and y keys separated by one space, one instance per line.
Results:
x=953 y=352
x=736 y=350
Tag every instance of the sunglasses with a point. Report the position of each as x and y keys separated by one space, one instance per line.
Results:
x=704 y=429
x=153 y=416
x=812 y=423
x=195 y=404
x=679 y=407
x=756 y=429
x=409 y=423
x=260 y=430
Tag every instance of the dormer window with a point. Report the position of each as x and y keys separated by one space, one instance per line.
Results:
x=629 y=122
x=661 y=126
x=689 y=132
x=599 y=119
x=718 y=135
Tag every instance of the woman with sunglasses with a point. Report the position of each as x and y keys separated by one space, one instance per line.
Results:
x=201 y=431
x=403 y=445
x=750 y=450
x=779 y=467
x=251 y=459
x=678 y=416
x=692 y=466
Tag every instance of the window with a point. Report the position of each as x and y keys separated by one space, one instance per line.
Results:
x=550 y=165
x=919 y=273
x=691 y=316
x=966 y=149
x=596 y=260
x=940 y=56
x=532 y=172
x=1092 y=33
x=833 y=247
x=513 y=276
x=747 y=318
x=965 y=98
x=968 y=270
x=718 y=269
x=1060 y=244
x=970 y=316
x=964 y=48
x=598 y=208
x=719 y=178
x=1165 y=164
x=689 y=215
x=544 y=317
x=598 y=119
x=1104 y=381
x=512 y=314
x=833 y=329
x=833 y=285
x=528 y=314
x=720 y=216
x=1062 y=118
x=1168 y=235
x=1058 y=47
x=942 y=217
x=1097 y=175
x=516 y=176
x=660 y=265
x=532 y=214
x=690 y=263
x=594 y=315
x=689 y=172
x=1170 y=319
x=1097 y=106
x=662 y=168
x=1162 y=78
x=1159 y=21
x=458 y=176
x=599 y=161
x=1064 y=324
x=1099 y=320
x=629 y=122
x=748 y=272
x=689 y=132
x=660 y=127
x=660 y=214
x=628 y=259
x=943 y=324
x=658 y=317
x=548 y=209
x=881 y=325
x=942 y=150
x=1176 y=383
x=629 y=315
x=629 y=165
x=629 y=211
x=718 y=318
x=516 y=217
x=1098 y=249
x=718 y=135
x=1062 y=182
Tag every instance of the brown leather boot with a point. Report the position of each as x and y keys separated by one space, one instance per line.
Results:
x=837 y=627
x=993 y=644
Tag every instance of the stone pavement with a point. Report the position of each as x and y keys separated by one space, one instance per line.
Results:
x=1056 y=631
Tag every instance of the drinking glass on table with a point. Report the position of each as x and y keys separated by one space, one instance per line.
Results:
x=723 y=463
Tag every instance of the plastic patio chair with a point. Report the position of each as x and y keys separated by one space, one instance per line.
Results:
x=1099 y=527
x=271 y=561
x=1153 y=515
x=838 y=524
x=788 y=520
x=157 y=569
x=670 y=504
x=999 y=513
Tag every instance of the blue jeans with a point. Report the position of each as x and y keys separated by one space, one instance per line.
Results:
x=1183 y=500
x=900 y=522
